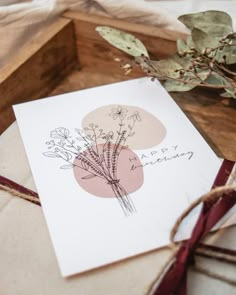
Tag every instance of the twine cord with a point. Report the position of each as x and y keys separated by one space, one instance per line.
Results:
x=214 y=195
x=218 y=253
x=215 y=276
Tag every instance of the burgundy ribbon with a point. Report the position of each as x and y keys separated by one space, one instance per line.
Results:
x=174 y=281
x=13 y=185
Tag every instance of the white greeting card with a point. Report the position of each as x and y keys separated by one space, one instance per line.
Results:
x=114 y=167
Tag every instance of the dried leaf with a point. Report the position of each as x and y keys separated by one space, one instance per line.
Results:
x=216 y=23
x=172 y=85
x=167 y=67
x=185 y=61
x=231 y=92
x=203 y=74
x=123 y=41
x=227 y=54
x=203 y=40
x=216 y=79
x=189 y=42
x=226 y=94
x=181 y=45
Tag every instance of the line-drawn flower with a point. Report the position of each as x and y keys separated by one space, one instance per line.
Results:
x=60 y=133
x=118 y=112
x=98 y=160
x=108 y=136
x=135 y=117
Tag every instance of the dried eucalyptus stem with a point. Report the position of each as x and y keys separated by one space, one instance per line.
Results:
x=207 y=58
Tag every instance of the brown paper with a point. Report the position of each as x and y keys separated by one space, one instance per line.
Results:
x=28 y=264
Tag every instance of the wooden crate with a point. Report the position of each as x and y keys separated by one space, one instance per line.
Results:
x=69 y=55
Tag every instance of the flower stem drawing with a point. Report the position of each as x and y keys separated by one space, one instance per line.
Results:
x=97 y=152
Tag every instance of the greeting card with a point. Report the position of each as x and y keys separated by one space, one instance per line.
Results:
x=114 y=166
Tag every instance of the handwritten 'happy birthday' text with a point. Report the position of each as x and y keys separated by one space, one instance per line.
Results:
x=161 y=156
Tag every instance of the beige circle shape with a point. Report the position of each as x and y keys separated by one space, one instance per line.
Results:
x=147 y=130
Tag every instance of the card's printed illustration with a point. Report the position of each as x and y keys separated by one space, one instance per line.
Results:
x=99 y=153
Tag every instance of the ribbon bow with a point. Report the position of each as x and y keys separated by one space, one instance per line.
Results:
x=174 y=281
x=175 y=278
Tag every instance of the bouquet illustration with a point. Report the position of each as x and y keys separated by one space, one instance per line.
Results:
x=101 y=159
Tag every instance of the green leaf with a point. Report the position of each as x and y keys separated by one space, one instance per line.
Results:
x=167 y=67
x=191 y=82
x=216 y=23
x=227 y=54
x=181 y=45
x=189 y=42
x=226 y=94
x=203 y=74
x=216 y=79
x=203 y=40
x=123 y=41
x=231 y=92
x=171 y=85
x=184 y=61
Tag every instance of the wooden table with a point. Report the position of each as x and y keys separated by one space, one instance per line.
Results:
x=48 y=65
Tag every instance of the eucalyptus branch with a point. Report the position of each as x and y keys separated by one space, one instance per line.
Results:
x=223 y=68
x=152 y=72
x=202 y=60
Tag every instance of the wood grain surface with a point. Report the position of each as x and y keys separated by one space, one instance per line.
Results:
x=37 y=68
x=93 y=51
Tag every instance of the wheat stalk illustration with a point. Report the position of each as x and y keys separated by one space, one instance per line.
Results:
x=96 y=161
